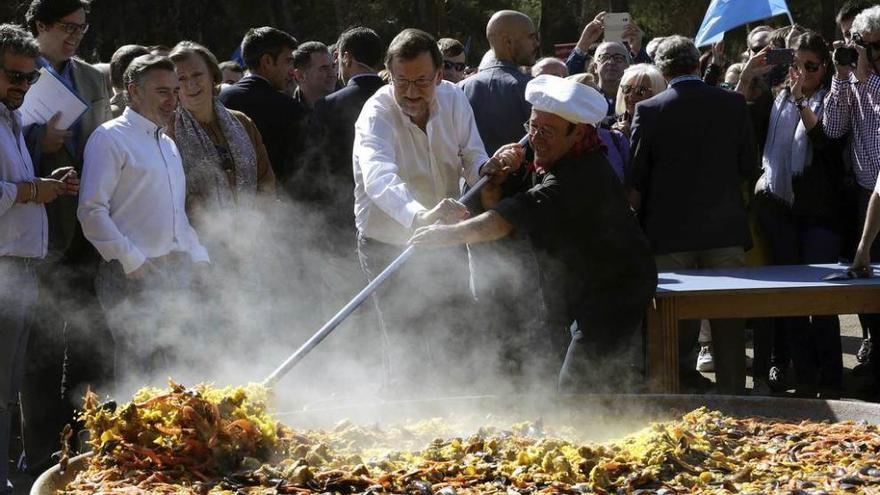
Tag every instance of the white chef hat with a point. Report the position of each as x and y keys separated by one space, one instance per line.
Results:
x=574 y=102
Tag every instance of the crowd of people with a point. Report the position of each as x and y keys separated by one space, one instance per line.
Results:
x=174 y=188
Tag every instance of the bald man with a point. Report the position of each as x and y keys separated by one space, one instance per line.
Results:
x=497 y=92
x=505 y=273
x=551 y=66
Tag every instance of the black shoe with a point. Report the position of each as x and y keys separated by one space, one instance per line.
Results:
x=864 y=369
x=693 y=382
x=865 y=351
x=776 y=379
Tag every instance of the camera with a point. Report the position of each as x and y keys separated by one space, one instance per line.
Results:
x=845 y=56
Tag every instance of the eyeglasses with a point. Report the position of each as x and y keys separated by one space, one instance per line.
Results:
x=812 y=67
x=405 y=83
x=636 y=90
x=17 y=77
x=608 y=57
x=73 y=28
x=458 y=66
x=544 y=132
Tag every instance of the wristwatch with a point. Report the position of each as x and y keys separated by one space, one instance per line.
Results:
x=799 y=103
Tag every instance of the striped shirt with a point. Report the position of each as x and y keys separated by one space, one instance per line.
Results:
x=853 y=106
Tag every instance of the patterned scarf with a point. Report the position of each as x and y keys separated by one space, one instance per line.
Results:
x=205 y=164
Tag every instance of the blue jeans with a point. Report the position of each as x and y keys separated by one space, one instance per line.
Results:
x=18 y=293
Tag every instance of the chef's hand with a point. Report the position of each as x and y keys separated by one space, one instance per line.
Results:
x=54 y=138
x=435 y=236
x=506 y=160
x=446 y=211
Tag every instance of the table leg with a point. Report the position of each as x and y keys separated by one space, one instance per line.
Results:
x=663 y=346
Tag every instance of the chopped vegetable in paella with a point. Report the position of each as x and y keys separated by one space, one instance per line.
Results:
x=223 y=441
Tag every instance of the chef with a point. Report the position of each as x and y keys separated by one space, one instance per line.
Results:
x=597 y=269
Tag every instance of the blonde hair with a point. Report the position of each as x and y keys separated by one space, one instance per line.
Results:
x=658 y=83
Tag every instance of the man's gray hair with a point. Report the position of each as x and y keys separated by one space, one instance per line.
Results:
x=677 y=56
x=868 y=21
x=16 y=40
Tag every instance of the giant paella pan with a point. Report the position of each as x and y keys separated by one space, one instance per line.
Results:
x=224 y=441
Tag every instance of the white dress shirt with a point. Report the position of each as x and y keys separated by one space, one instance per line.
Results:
x=24 y=228
x=400 y=170
x=132 y=195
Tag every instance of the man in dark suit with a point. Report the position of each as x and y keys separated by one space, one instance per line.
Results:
x=693 y=147
x=268 y=53
x=325 y=175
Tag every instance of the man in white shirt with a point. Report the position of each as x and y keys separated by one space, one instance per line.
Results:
x=132 y=210
x=24 y=228
x=415 y=141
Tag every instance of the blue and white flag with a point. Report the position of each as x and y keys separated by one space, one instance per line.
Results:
x=724 y=15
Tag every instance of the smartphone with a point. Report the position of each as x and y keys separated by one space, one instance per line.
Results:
x=780 y=56
x=615 y=24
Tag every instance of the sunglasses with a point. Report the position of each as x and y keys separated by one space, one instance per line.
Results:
x=812 y=67
x=636 y=90
x=73 y=28
x=458 y=66
x=17 y=77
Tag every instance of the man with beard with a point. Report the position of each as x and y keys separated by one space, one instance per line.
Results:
x=596 y=265
x=23 y=224
x=415 y=140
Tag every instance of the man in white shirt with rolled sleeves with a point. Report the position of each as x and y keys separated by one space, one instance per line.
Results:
x=415 y=141
x=131 y=207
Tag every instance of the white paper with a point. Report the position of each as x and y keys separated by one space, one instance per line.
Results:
x=49 y=96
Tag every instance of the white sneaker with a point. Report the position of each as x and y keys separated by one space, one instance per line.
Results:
x=705 y=362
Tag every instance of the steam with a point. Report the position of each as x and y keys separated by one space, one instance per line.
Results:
x=274 y=282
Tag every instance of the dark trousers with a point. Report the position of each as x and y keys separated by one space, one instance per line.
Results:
x=70 y=348
x=425 y=313
x=870 y=321
x=607 y=349
x=815 y=340
x=147 y=318
x=728 y=335
x=18 y=294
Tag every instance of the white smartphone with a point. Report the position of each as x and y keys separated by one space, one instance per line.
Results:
x=615 y=24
